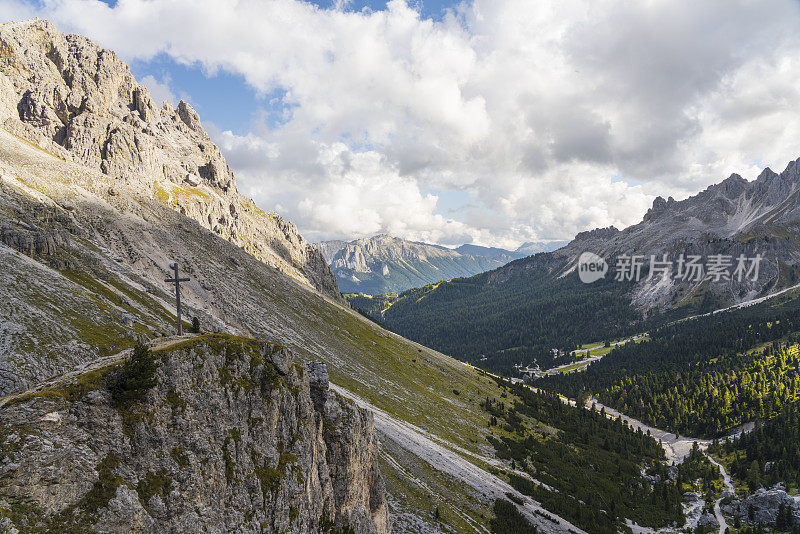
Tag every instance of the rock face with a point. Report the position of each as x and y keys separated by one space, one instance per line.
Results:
x=233 y=438
x=765 y=505
x=732 y=218
x=383 y=263
x=81 y=103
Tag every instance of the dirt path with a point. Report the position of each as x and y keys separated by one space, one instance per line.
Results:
x=93 y=365
x=723 y=525
x=744 y=304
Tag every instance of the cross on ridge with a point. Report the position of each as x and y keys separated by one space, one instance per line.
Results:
x=177 y=281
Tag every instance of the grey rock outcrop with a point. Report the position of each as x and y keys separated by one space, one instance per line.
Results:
x=708 y=521
x=81 y=103
x=38 y=231
x=733 y=218
x=659 y=206
x=227 y=441
x=330 y=248
x=765 y=504
x=44 y=244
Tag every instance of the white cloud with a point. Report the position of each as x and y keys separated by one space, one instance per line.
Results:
x=13 y=10
x=555 y=116
x=160 y=90
x=341 y=192
x=340 y=5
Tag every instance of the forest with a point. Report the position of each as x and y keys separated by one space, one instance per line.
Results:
x=496 y=323
x=590 y=459
x=769 y=454
x=518 y=314
x=508 y=520
x=701 y=377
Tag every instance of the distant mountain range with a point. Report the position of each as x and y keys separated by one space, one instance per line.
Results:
x=525 y=308
x=384 y=264
x=503 y=255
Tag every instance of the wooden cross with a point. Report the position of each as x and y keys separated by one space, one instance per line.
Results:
x=177 y=281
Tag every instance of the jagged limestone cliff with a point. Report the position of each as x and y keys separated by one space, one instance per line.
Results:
x=81 y=103
x=235 y=437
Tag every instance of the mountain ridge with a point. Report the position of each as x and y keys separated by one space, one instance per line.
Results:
x=545 y=306
x=81 y=103
x=382 y=263
x=733 y=217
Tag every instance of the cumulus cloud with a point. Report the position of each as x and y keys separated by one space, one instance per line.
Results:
x=160 y=90
x=356 y=193
x=341 y=4
x=553 y=116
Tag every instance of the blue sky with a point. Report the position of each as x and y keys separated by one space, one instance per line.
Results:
x=428 y=8
x=513 y=121
x=224 y=98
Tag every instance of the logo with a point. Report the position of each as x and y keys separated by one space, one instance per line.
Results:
x=591 y=267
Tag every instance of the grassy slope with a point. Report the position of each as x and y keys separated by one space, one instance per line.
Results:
x=410 y=382
x=508 y=316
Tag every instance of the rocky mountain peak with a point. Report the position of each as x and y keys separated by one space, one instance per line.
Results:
x=766 y=175
x=733 y=186
x=80 y=102
x=771 y=188
x=793 y=169
x=732 y=217
x=597 y=233
x=659 y=206
x=190 y=117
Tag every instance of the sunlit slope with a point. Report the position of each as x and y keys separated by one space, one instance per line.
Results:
x=103 y=287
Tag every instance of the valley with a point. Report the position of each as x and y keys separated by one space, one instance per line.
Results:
x=427 y=450
x=751 y=324
x=373 y=386
x=97 y=288
x=741 y=478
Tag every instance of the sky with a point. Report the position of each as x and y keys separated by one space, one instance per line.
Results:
x=487 y=121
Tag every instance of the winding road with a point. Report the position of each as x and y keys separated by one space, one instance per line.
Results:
x=591 y=359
